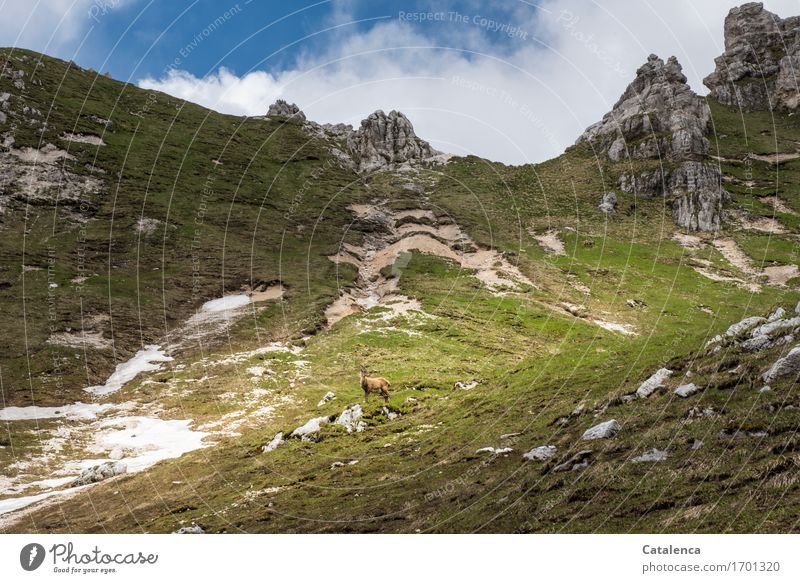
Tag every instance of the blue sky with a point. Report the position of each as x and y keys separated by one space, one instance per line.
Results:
x=512 y=80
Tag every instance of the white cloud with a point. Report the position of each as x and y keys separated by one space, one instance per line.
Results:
x=54 y=27
x=519 y=101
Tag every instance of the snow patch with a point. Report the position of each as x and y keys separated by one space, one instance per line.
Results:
x=143 y=361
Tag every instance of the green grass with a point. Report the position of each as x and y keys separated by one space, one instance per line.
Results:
x=535 y=364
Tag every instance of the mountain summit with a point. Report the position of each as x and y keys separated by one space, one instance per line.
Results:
x=761 y=63
x=659 y=118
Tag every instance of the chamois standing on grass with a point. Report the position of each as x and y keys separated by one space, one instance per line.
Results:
x=374 y=385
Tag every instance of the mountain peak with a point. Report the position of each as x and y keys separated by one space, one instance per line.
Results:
x=282 y=108
x=759 y=66
x=387 y=141
x=658 y=116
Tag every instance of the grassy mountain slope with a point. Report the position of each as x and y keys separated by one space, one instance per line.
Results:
x=275 y=209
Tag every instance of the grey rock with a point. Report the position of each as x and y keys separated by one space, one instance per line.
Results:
x=309 y=427
x=655 y=382
x=339 y=131
x=653 y=455
x=687 y=390
x=541 y=453
x=609 y=203
x=387 y=142
x=778 y=314
x=100 y=472
x=603 y=430
x=350 y=419
x=284 y=109
x=775 y=325
x=657 y=117
x=660 y=118
x=786 y=366
x=765 y=342
x=698 y=211
x=743 y=326
x=272 y=445
x=328 y=397
x=758 y=70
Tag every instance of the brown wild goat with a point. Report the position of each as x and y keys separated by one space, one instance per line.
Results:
x=374 y=385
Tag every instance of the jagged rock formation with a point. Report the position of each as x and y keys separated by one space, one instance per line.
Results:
x=660 y=118
x=657 y=117
x=387 y=141
x=283 y=108
x=759 y=68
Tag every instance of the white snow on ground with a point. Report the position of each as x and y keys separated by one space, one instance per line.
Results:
x=226 y=303
x=145 y=440
x=78 y=410
x=11 y=504
x=143 y=361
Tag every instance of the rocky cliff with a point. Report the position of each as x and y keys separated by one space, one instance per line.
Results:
x=760 y=65
x=660 y=118
x=382 y=142
x=387 y=141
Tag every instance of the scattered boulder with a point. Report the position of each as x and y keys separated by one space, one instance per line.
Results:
x=390 y=415
x=758 y=70
x=272 y=445
x=329 y=396
x=284 y=109
x=309 y=427
x=350 y=419
x=465 y=385
x=100 y=472
x=387 y=142
x=687 y=390
x=653 y=455
x=788 y=365
x=655 y=382
x=609 y=203
x=541 y=453
x=603 y=430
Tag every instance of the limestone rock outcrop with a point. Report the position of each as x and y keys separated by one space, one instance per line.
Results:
x=760 y=66
x=660 y=118
x=283 y=108
x=657 y=117
x=387 y=141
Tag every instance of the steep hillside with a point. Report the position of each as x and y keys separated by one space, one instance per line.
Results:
x=252 y=267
